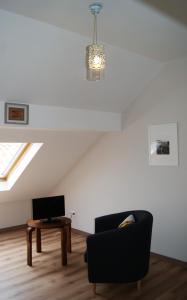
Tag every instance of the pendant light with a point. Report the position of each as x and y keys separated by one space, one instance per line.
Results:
x=95 y=55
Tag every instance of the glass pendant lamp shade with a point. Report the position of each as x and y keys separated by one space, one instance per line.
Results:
x=95 y=55
x=95 y=61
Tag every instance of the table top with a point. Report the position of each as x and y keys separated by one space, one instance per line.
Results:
x=56 y=223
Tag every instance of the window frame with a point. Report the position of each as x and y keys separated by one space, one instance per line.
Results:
x=15 y=162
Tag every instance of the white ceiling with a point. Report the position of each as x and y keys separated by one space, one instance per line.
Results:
x=45 y=64
x=141 y=26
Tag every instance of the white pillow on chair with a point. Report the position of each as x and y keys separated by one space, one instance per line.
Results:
x=129 y=220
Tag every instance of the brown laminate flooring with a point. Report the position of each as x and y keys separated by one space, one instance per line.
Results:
x=48 y=280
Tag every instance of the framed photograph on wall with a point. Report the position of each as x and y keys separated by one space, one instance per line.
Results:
x=163 y=145
x=16 y=113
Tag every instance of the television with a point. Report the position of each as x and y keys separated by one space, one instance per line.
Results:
x=48 y=208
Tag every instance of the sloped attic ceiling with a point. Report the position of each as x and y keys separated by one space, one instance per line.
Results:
x=152 y=28
x=44 y=64
x=42 y=50
x=61 y=150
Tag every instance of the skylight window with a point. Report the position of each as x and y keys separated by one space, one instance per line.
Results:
x=14 y=158
x=10 y=154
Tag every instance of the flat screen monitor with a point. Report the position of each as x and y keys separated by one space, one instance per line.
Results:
x=48 y=207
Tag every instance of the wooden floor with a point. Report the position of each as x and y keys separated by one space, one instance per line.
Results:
x=47 y=280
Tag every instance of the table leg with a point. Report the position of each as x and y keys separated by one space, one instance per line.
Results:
x=38 y=240
x=29 y=231
x=69 y=238
x=64 y=245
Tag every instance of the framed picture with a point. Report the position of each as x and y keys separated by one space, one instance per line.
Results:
x=163 y=145
x=16 y=113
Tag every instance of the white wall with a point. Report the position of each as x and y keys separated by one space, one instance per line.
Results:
x=115 y=175
x=61 y=118
x=14 y=213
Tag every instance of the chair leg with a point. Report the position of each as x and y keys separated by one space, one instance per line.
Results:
x=94 y=288
x=139 y=285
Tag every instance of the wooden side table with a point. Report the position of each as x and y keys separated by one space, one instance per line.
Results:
x=62 y=223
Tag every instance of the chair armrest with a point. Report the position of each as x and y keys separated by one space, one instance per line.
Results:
x=111 y=252
x=102 y=245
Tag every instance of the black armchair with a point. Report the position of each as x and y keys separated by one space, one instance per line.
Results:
x=119 y=255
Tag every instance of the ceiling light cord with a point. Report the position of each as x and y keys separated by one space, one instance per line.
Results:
x=95 y=30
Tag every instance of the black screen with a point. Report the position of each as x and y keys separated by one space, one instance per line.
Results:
x=48 y=207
